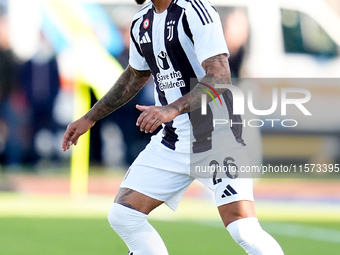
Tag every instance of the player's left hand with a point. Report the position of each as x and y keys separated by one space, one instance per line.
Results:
x=153 y=116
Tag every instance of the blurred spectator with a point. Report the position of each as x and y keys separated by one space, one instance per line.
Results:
x=12 y=102
x=236 y=31
x=40 y=78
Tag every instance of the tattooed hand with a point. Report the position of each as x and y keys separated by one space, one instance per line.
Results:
x=153 y=116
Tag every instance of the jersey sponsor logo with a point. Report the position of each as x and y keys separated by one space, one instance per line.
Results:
x=163 y=60
x=170 y=79
x=145 y=38
x=146 y=23
x=229 y=191
x=170 y=29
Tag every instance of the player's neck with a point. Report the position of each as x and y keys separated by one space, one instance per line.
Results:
x=161 y=5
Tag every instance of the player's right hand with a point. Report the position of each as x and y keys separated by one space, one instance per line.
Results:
x=74 y=131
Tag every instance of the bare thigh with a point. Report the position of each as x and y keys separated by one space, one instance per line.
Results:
x=136 y=200
x=236 y=210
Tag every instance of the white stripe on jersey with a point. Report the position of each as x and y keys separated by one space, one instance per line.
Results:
x=190 y=52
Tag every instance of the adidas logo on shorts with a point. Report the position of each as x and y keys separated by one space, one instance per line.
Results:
x=229 y=191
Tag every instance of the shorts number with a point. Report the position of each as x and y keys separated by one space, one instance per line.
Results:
x=216 y=166
x=229 y=168
x=232 y=169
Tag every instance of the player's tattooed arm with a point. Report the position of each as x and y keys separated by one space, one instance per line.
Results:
x=127 y=86
x=217 y=72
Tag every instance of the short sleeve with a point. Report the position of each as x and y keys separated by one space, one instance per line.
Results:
x=206 y=28
x=136 y=58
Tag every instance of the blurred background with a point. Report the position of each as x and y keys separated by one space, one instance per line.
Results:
x=58 y=57
x=50 y=48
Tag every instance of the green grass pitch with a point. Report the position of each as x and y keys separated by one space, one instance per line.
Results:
x=85 y=236
x=62 y=225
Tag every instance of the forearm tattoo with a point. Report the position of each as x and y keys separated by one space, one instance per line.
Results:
x=217 y=72
x=126 y=87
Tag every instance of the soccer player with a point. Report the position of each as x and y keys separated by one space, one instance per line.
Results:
x=178 y=41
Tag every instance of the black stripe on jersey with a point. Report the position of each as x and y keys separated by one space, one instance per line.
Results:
x=202 y=128
x=187 y=28
x=202 y=124
x=176 y=53
x=213 y=8
x=133 y=38
x=205 y=13
x=198 y=13
x=170 y=137
x=236 y=128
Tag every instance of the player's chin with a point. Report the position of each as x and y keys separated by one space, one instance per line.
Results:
x=140 y=2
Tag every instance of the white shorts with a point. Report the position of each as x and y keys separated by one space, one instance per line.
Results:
x=164 y=174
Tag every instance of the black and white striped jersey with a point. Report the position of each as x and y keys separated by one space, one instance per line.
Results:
x=173 y=44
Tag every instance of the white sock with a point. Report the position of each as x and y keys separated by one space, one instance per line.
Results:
x=137 y=233
x=248 y=233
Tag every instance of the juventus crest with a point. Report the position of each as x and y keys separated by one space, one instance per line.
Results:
x=170 y=29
